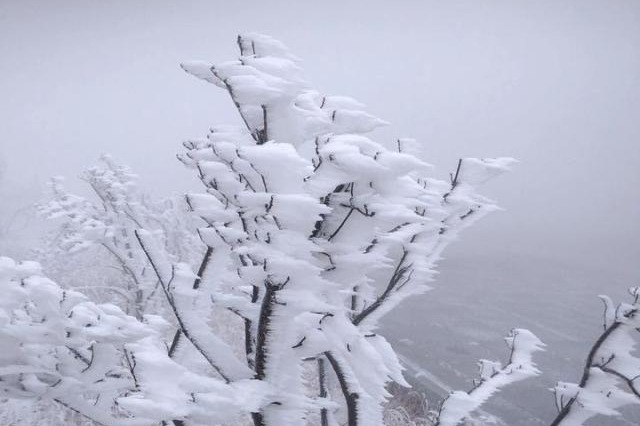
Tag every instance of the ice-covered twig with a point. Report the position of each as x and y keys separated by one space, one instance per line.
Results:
x=460 y=405
x=611 y=363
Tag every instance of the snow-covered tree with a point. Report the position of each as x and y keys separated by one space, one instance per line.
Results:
x=105 y=226
x=312 y=232
x=315 y=232
x=376 y=241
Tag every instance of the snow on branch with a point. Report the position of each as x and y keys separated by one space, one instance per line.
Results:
x=460 y=405
x=57 y=345
x=99 y=362
x=611 y=374
x=176 y=281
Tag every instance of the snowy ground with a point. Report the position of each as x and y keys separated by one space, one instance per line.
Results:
x=475 y=302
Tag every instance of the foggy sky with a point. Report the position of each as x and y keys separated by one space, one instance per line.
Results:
x=554 y=84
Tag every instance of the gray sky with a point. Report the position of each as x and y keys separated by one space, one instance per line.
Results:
x=552 y=83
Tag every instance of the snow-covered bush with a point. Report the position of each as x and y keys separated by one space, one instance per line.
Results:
x=99 y=362
x=57 y=345
x=406 y=407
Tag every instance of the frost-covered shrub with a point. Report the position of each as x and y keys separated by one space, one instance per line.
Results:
x=59 y=346
x=98 y=362
x=94 y=239
x=406 y=406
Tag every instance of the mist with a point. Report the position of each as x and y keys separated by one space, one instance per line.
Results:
x=555 y=85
